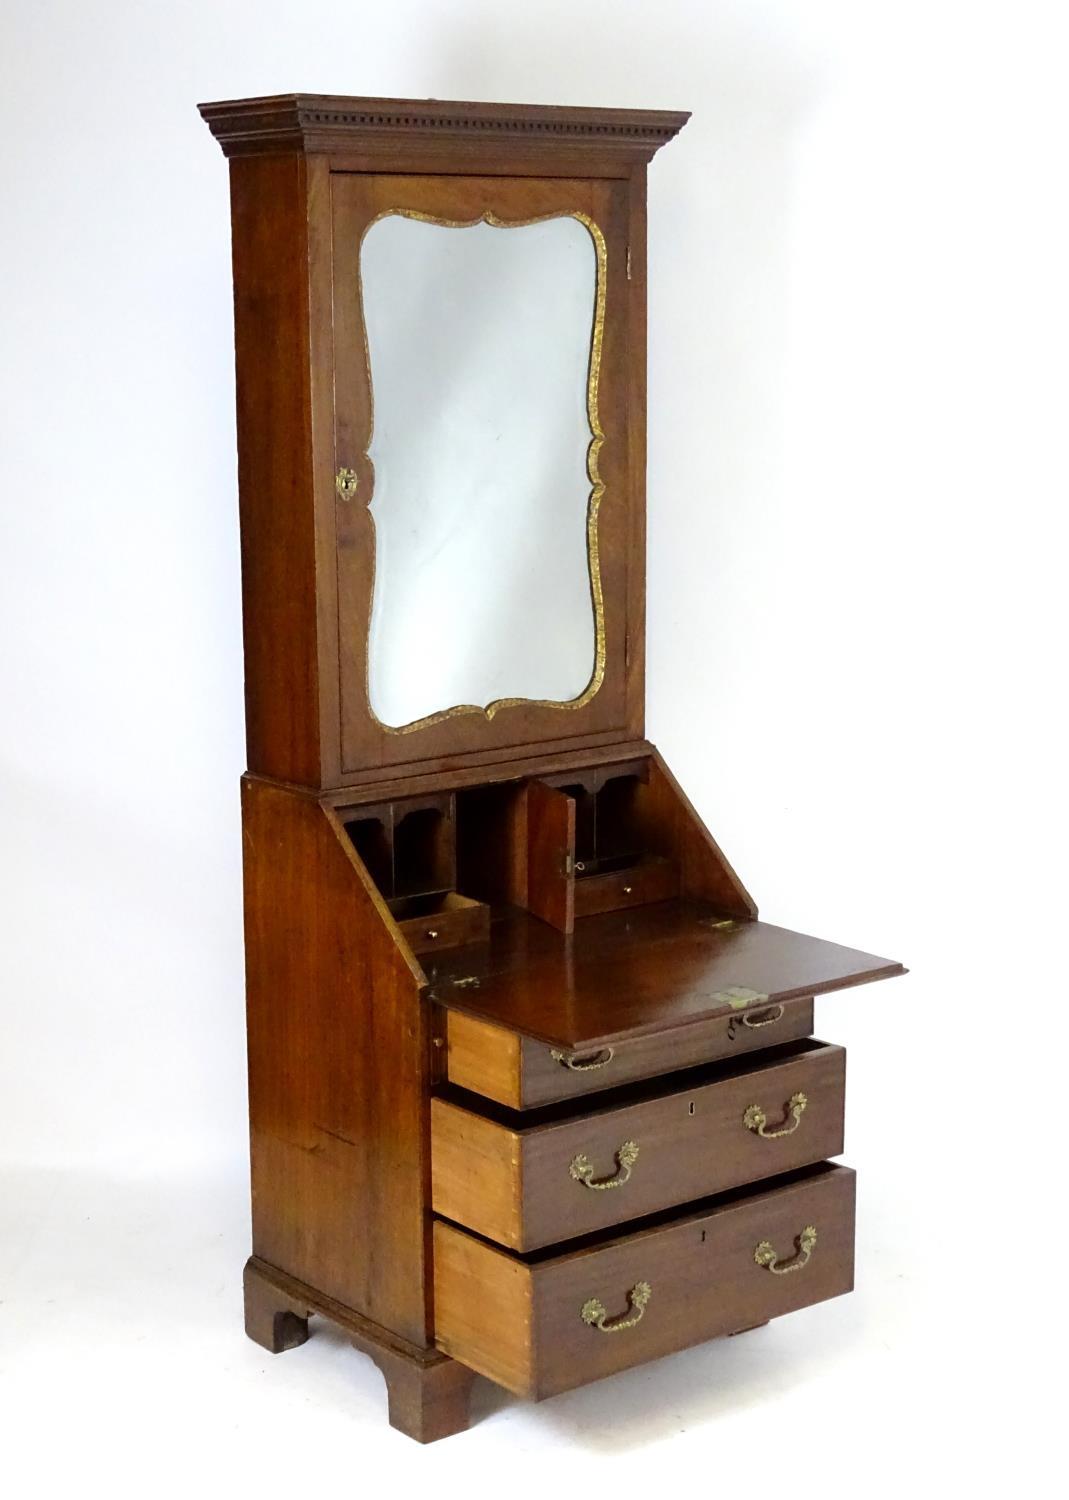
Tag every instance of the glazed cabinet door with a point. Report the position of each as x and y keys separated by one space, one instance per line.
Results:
x=486 y=376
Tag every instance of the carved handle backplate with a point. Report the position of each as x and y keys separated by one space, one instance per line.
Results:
x=582 y=1170
x=765 y=1254
x=593 y=1312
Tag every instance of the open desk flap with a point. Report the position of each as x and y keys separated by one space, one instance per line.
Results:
x=629 y=973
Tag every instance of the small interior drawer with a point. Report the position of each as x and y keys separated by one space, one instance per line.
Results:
x=648 y=880
x=441 y=920
x=527 y=1185
x=523 y=1073
x=551 y=1322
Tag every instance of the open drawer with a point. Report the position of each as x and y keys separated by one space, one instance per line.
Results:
x=527 y=1182
x=442 y=919
x=551 y=1322
x=523 y=1073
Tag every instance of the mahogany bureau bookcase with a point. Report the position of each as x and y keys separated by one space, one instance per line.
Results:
x=533 y=1093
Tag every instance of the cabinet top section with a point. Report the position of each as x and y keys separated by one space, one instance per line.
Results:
x=338 y=123
x=440 y=329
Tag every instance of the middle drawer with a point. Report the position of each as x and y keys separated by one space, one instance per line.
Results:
x=529 y=1185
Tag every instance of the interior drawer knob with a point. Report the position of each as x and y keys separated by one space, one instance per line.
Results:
x=765 y=1254
x=594 y=1314
x=582 y=1170
x=585 y=1064
x=756 y=1120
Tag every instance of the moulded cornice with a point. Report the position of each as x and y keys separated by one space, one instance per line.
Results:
x=327 y=122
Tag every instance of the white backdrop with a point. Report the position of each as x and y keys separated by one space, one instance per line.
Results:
x=857 y=477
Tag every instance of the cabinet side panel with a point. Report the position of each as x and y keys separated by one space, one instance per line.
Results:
x=676 y=828
x=269 y=228
x=337 y=1069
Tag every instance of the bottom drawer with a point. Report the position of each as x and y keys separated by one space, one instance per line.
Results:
x=548 y=1322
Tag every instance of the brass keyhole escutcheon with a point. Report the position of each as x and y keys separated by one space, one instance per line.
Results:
x=346 y=483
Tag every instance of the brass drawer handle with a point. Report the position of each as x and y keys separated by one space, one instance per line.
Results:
x=764 y=1018
x=756 y=1120
x=594 y=1314
x=582 y=1170
x=583 y=1064
x=765 y=1254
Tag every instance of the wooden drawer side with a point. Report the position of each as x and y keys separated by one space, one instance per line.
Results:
x=476 y=1172
x=482 y=1057
x=482 y=1309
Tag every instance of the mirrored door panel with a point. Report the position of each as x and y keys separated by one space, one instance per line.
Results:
x=484 y=474
x=483 y=349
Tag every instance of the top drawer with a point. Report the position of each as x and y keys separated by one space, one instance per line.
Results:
x=518 y=1071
